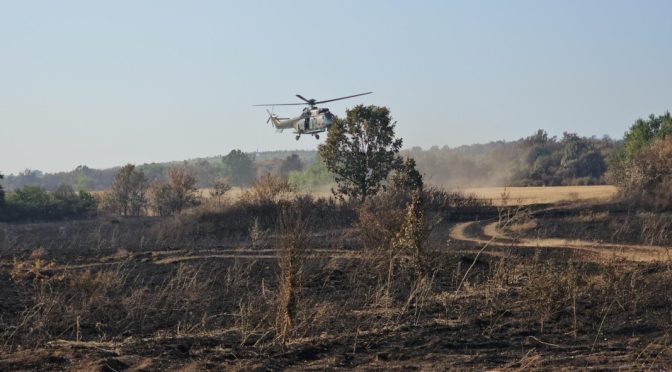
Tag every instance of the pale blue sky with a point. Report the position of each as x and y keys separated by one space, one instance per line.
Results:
x=106 y=83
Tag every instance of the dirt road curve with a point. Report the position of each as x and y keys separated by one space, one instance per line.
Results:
x=476 y=232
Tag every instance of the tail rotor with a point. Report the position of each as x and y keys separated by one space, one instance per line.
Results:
x=273 y=120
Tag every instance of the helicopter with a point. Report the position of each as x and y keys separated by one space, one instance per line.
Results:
x=313 y=120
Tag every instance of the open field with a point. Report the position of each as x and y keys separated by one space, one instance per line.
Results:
x=542 y=195
x=501 y=195
x=232 y=288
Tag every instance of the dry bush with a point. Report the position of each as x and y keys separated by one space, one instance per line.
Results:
x=647 y=180
x=621 y=287
x=253 y=317
x=380 y=218
x=552 y=289
x=220 y=187
x=656 y=228
x=411 y=241
x=394 y=231
x=237 y=218
x=65 y=303
x=503 y=276
x=413 y=234
x=267 y=189
x=380 y=221
x=180 y=192
x=436 y=198
x=252 y=302
x=180 y=304
x=643 y=227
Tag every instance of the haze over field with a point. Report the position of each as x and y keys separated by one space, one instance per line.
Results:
x=106 y=84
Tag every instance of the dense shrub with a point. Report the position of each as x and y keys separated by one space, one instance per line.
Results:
x=646 y=180
x=127 y=196
x=267 y=189
x=314 y=177
x=240 y=216
x=35 y=204
x=178 y=193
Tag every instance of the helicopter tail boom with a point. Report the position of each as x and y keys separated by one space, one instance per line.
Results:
x=272 y=118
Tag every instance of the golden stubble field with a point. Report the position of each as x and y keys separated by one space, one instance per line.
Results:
x=500 y=195
x=542 y=195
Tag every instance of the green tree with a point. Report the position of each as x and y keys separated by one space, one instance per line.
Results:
x=176 y=194
x=160 y=198
x=361 y=151
x=639 y=137
x=573 y=147
x=407 y=177
x=647 y=178
x=291 y=164
x=643 y=132
x=87 y=202
x=313 y=177
x=65 y=193
x=239 y=168
x=127 y=196
x=34 y=197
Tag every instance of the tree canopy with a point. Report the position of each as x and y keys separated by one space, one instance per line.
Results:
x=239 y=168
x=127 y=196
x=643 y=168
x=644 y=131
x=361 y=150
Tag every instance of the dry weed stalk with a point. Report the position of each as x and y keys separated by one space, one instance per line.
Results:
x=548 y=291
x=411 y=241
x=257 y=234
x=293 y=231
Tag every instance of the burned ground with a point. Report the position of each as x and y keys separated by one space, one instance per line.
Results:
x=172 y=293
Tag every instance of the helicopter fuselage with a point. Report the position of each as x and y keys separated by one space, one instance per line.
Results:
x=312 y=121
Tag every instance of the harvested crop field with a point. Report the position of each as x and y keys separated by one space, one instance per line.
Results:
x=542 y=195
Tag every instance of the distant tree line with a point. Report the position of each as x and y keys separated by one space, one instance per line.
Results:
x=150 y=189
x=238 y=167
x=537 y=160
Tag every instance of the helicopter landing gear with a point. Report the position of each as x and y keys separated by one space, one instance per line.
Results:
x=298 y=136
x=317 y=136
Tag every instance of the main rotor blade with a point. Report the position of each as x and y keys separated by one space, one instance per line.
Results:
x=282 y=104
x=307 y=100
x=337 y=99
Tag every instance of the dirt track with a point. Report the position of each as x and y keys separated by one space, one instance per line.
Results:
x=489 y=234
